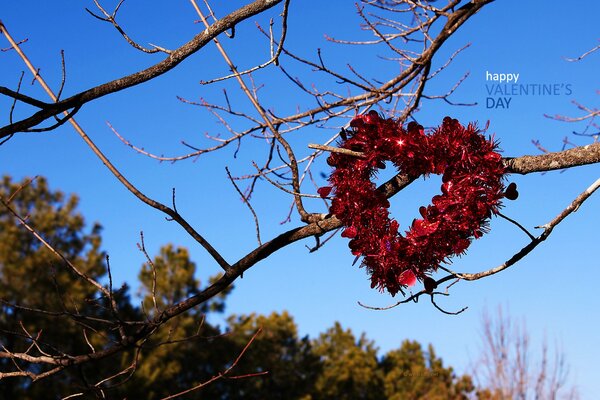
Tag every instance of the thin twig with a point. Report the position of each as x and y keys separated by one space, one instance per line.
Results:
x=339 y=150
x=224 y=373
x=247 y=202
x=517 y=224
x=581 y=57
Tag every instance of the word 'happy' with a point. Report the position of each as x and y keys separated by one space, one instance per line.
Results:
x=501 y=78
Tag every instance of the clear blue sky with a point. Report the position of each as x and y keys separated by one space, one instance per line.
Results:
x=553 y=289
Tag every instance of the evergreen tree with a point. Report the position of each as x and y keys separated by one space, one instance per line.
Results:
x=187 y=350
x=289 y=366
x=39 y=295
x=350 y=366
x=412 y=374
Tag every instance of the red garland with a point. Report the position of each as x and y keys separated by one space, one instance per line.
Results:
x=472 y=188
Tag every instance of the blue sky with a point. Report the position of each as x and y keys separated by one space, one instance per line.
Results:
x=553 y=289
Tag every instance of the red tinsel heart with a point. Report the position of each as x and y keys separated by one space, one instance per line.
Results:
x=472 y=188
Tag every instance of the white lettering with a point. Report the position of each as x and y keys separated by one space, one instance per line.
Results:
x=502 y=77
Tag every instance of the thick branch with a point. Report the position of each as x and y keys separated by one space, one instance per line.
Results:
x=21 y=97
x=583 y=155
x=523 y=165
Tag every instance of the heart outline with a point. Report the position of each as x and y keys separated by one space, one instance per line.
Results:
x=472 y=188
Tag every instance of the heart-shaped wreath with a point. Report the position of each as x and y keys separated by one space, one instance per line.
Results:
x=472 y=188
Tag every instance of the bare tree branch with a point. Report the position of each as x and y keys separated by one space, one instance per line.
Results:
x=174 y=215
x=225 y=373
x=176 y=57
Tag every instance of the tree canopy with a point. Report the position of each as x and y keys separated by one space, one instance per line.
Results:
x=39 y=316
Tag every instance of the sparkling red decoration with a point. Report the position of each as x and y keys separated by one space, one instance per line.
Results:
x=472 y=188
